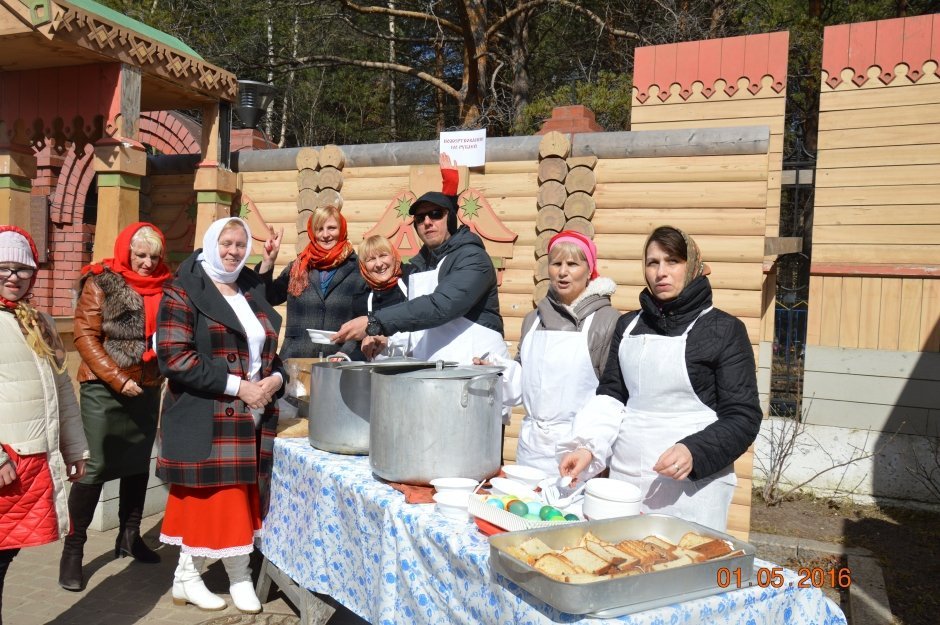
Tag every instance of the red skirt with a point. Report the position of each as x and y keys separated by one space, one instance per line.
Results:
x=27 y=507
x=215 y=522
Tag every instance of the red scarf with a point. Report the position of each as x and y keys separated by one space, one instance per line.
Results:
x=150 y=288
x=390 y=282
x=315 y=256
x=32 y=248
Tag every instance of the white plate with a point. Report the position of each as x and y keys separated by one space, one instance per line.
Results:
x=321 y=336
x=504 y=486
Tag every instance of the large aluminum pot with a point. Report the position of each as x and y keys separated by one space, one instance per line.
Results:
x=340 y=402
x=436 y=423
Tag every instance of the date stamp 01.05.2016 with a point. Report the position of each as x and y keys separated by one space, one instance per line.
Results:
x=807 y=577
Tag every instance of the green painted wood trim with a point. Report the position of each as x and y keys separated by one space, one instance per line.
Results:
x=89 y=6
x=16 y=183
x=126 y=181
x=213 y=197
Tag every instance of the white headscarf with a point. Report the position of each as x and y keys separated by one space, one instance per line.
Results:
x=211 y=262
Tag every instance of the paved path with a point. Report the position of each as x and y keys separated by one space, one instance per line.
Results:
x=119 y=592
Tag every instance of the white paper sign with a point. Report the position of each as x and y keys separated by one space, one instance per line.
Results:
x=465 y=147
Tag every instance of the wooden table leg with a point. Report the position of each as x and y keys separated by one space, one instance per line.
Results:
x=313 y=610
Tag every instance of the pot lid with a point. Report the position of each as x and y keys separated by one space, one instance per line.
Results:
x=612 y=490
x=454 y=372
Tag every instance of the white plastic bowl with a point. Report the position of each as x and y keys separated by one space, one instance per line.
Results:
x=530 y=476
x=454 y=484
x=321 y=337
x=453 y=505
x=605 y=498
x=504 y=486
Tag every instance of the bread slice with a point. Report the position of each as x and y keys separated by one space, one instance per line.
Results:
x=535 y=548
x=609 y=553
x=520 y=555
x=680 y=561
x=659 y=542
x=587 y=561
x=693 y=539
x=713 y=548
x=695 y=556
x=589 y=538
x=556 y=566
x=648 y=554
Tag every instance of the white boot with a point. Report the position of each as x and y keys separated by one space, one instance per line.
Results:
x=189 y=588
x=240 y=586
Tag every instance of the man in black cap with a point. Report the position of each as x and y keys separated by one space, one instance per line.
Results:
x=452 y=310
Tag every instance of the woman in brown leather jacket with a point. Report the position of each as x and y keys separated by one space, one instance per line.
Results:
x=115 y=322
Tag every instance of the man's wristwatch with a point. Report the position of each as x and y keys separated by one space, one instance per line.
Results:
x=374 y=327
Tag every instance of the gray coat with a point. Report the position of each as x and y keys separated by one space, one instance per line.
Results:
x=466 y=288
x=345 y=296
x=553 y=315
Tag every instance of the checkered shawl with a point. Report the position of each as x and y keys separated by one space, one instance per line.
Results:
x=209 y=438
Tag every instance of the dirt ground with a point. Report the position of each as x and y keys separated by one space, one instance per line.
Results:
x=905 y=541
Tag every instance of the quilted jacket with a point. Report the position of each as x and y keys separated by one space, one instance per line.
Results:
x=208 y=438
x=39 y=418
x=720 y=362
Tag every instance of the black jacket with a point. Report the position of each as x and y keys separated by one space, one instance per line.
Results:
x=466 y=288
x=312 y=309
x=720 y=362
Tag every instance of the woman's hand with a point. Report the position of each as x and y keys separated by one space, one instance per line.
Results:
x=271 y=385
x=75 y=470
x=7 y=474
x=254 y=395
x=131 y=389
x=271 y=249
x=372 y=346
x=574 y=463
x=675 y=462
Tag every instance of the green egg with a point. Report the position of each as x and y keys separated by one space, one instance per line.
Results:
x=531 y=517
x=571 y=517
x=547 y=511
x=519 y=508
x=557 y=519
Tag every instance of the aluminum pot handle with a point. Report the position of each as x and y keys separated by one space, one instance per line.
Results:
x=465 y=395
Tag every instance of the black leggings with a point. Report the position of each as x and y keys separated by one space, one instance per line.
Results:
x=6 y=556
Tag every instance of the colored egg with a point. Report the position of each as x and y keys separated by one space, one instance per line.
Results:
x=557 y=519
x=495 y=502
x=531 y=517
x=547 y=512
x=519 y=508
x=512 y=501
x=572 y=517
x=534 y=507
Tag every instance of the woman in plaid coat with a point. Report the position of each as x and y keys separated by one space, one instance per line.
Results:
x=217 y=347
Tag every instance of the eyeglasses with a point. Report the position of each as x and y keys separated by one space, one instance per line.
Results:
x=435 y=215
x=23 y=273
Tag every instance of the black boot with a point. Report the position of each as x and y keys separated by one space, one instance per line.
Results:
x=130 y=511
x=83 y=499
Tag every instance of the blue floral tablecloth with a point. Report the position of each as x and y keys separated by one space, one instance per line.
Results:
x=335 y=529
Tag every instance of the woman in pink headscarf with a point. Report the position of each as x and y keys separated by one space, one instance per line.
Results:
x=564 y=347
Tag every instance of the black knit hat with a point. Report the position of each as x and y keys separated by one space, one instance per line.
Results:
x=441 y=200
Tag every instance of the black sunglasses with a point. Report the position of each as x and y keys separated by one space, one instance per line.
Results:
x=435 y=215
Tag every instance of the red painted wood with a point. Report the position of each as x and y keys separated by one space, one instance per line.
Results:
x=687 y=54
x=68 y=98
x=643 y=59
x=777 y=53
x=915 y=47
x=756 y=51
x=862 y=50
x=29 y=99
x=664 y=69
x=87 y=96
x=709 y=64
x=935 y=43
x=732 y=62
x=888 y=47
x=835 y=55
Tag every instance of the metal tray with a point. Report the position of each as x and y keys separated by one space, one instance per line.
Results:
x=622 y=595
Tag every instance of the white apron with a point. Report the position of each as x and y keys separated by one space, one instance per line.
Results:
x=398 y=342
x=459 y=340
x=662 y=408
x=557 y=380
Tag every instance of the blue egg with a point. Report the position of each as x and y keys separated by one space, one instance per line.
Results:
x=495 y=502
x=535 y=507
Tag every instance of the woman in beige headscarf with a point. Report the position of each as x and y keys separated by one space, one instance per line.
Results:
x=677 y=403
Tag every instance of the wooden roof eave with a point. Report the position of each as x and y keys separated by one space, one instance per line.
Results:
x=191 y=80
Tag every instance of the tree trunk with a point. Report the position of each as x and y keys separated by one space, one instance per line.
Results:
x=473 y=20
x=269 y=20
x=285 y=109
x=519 y=57
x=392 y=121
x=438 y=94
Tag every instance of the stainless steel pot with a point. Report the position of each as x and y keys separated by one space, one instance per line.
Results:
x=341 y=400
x=436 y=423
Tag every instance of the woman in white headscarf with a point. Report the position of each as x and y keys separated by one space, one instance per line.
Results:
x=217 y=347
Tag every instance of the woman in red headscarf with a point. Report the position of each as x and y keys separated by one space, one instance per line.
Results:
x=115 y=322
x=41 y=438
x=322 y=286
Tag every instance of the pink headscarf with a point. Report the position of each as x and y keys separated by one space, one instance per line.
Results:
x=585 y=244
